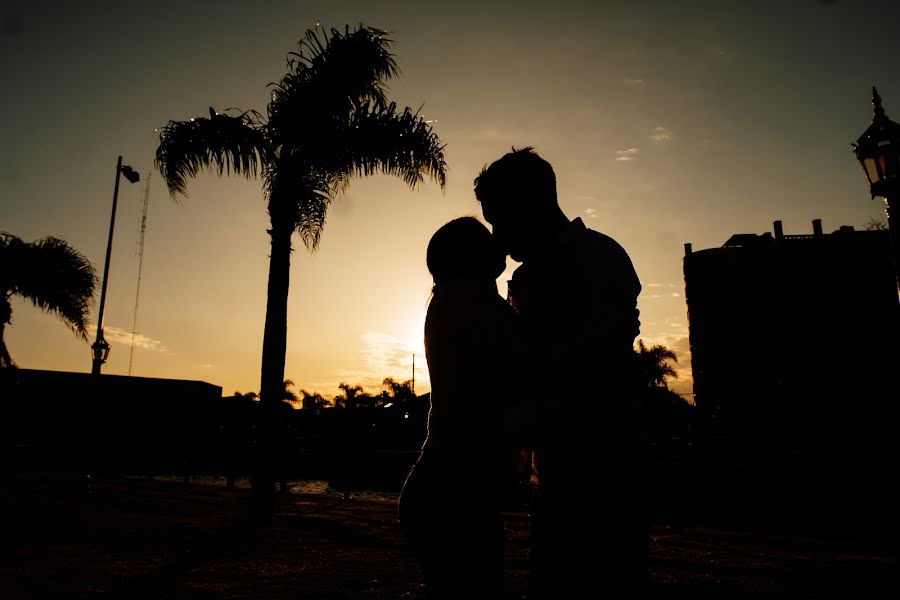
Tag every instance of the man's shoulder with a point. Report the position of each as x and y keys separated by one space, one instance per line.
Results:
x=595 y=246
x=600 y=253
x=601 y=242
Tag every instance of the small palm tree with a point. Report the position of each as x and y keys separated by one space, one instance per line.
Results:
x=52 y=275
x=353 y=397
x=288 y=395
x=654 y=369
x=401 y=394
x=313 y=401
x=328 y=119
x=667 y=415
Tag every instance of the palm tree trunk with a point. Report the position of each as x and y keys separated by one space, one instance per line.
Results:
x=5 y=317
x=272 y=374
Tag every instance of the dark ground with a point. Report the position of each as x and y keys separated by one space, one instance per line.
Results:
x=151 y=539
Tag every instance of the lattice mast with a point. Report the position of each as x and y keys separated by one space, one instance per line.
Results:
x=140 y=252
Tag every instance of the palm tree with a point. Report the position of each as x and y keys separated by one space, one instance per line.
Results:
x=353 y=397
x=313 y=401
x=654 y=369
x=52 y=275
x=667 y=414
x=289 y=396
x=400 y=393
x=328 y=119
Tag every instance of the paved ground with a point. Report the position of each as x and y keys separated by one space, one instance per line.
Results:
x=153 y=539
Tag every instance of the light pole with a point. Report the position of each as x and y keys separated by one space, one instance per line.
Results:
x=100 y=347
x=878 y=151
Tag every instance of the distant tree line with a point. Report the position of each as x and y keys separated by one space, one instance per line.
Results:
x=668 y=415
x=396 y=394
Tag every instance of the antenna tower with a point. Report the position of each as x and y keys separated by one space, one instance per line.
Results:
x=140 y=253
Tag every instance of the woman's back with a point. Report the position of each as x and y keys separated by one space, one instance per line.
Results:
x=469 y=338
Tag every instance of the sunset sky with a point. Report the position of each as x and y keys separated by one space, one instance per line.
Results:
x=666 y=122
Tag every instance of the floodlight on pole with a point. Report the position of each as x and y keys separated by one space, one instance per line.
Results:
x=100 y=347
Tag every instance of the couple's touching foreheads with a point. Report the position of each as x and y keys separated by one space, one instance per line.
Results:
x=547 y=372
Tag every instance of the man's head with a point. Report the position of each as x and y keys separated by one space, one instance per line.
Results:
x=518 y=198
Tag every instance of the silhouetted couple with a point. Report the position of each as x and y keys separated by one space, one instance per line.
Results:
x=551 y=369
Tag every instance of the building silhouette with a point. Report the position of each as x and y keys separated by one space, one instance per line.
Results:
x=794 y=340
x=126 y=424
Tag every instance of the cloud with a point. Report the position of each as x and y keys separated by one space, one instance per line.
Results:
x=722 y=54
x=384 y=350
x=591 y=213
x=629 y=154
x=661 y=290
x=635 y=81
x=117 y=335
x=384 y=355
x=661 y=134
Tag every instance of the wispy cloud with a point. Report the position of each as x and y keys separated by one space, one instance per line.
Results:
x=591 y=213
x=635 y=81
x=659 y=290
x=384 y=355
x=661 y=134
x=117 y=335
x=722 y=54
x=385 y=350
x=629 y=154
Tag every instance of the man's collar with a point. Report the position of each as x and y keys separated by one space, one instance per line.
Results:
x=564 y=237
x=570 y=232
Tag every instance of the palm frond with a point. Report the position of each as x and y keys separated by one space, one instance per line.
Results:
x=54 y=277
x=299 y=195
x=654 y=364
x=220 y=143
x=383 y=140
x=329 y=74
x=6 y=361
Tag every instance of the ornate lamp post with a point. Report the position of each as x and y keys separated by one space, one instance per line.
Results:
x=878 y=151
x=100 y=347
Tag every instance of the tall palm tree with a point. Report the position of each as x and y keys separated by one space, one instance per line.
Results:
x=328 y=119
x=52 y=275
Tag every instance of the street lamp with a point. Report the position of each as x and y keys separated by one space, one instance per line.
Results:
x=100 y=347
x=878 y=152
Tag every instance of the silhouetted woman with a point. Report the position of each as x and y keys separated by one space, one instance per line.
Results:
x=450 y=504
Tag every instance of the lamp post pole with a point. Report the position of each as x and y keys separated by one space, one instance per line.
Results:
x=100 y=347
x=894 y=229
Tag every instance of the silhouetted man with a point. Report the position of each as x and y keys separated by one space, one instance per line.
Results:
x=576 y=293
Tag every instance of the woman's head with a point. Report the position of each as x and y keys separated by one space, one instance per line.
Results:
x=464 y=249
